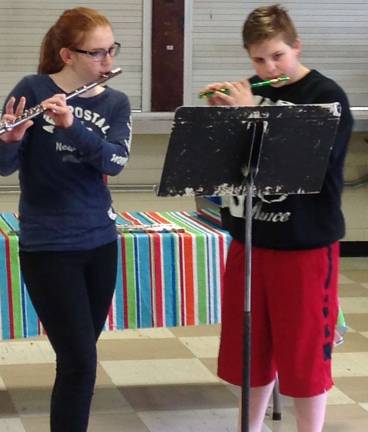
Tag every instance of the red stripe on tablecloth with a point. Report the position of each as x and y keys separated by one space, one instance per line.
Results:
x=156 y=216
x=189 y=279
x=157 y=264
x=210 y=217
x=127 y=216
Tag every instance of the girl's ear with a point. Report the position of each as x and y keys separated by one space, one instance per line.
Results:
x=66 y=55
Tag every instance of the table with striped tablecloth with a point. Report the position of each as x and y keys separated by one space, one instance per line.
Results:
x=165 y=278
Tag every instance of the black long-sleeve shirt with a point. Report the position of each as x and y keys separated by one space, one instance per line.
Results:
x=304 y=221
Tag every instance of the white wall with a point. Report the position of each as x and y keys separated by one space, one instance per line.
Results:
x=24 y=23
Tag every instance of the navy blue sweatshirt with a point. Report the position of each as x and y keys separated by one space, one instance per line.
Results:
x=64 y=202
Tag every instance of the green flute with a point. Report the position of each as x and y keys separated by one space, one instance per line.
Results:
x=254 y=85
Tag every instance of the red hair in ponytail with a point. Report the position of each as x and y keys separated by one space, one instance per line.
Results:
x=68 y=31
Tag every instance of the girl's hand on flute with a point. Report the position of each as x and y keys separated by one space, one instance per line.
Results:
x=238 y=93
x=10 y=116
x=58 y=110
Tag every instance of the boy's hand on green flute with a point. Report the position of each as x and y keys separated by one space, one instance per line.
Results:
x=229 y=93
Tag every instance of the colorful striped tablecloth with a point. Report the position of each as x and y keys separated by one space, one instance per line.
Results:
x=171 y=278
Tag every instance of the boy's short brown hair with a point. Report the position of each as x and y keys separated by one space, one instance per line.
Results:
x=267 y=22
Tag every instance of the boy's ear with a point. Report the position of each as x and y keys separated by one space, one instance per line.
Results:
x=298 y=45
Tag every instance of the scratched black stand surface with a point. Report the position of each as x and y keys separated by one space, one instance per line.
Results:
x=268 y=150
x=209 y=146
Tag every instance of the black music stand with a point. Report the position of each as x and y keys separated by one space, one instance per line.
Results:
x=269 y=150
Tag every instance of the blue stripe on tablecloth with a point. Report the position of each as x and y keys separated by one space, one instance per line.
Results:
x=143 y=279
x=120 y=220
x=137 y=282
x=11 y=220
x=141 y=217
x=30 y=323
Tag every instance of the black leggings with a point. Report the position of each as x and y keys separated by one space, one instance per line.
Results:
x=72 y=293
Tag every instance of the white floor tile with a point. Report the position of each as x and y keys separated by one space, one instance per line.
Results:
x=364 y=406
x=344 y=280
x=149 y=372
x=2 y=385
x=11 y=425
x=337 y=397
x=26 y=352
x=202 y=346
x=156 y=333
x=350 y=364
x=354 y=304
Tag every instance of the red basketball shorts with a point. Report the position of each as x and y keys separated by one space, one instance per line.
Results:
x=293 y=315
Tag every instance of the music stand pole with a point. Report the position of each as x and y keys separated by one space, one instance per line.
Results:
x=251 y=170
x=245 y=394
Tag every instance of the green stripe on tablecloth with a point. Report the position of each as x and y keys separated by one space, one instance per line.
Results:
x=4 y=226
x=131 y=282
x=16 y=286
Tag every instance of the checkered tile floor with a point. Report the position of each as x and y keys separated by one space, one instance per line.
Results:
x=163 y=380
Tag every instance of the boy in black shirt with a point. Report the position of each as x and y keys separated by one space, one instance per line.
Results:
x=295 y=255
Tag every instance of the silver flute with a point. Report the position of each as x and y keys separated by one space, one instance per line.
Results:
x=39 y=109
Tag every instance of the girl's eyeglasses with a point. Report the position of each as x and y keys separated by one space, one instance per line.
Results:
x=100 y=54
